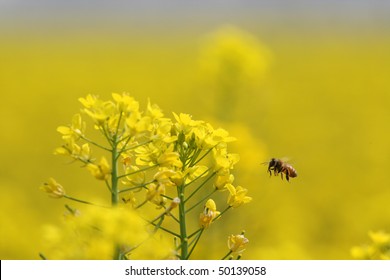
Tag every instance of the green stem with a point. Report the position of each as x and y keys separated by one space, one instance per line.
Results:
x=135 y=146
x=201 y=200
x=136 y=187
x=196 y=242
x=223 y=212
x=137 y=171
x=42 y=256
x=142 y=204
x=183 y=228
x=227 y=255
x=195 y=232
x=197 y=178
x=166 y=230
x=94 y=143
x=174 y=218
x=202 y=157
x=194 y=156
x=110 y=140
x=108 y=186
x=114 y=175
x=200 y=186
x=119 y=123
x=114 y=187
x=81 y=201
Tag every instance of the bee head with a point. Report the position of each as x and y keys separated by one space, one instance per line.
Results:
x=272 y=162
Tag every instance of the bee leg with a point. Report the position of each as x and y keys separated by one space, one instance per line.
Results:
x=287 y=178
x=281 y=175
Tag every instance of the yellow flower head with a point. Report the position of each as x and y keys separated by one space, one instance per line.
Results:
x=130 y=199
x=125 y=103
x=220 y=135
x=170 y=159
x=221 y=181
x=100 y=111
x=237 y=243
x=379 y=249
x=154 y=111
x=75 y=130
x=380 y=238
x=134 y=177
x=185 y=123
x=100 y=171
x=90 y=101
x=155 y=194
x=165 y=177
x=195 y=172
x=54 y=189
x=223 y=161
x=209 y=214
x=362 y=252
x=237 y=196
x=236 y=54
x=97 y=232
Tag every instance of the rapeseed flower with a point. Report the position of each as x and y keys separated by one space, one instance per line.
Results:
x=209 y=214
x=237 y=243
x=149 y=158
x=96 y=233
x=53 y=189
x=237 y=196
x=100 y=171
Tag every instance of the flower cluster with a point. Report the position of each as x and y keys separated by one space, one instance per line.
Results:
x=174 y=164
x=233 y=63
x=100 y=233
x=379 y=249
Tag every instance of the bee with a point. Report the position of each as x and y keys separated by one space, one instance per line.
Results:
x=279 y=166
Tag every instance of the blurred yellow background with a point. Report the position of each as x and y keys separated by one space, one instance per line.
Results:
x=314 y=90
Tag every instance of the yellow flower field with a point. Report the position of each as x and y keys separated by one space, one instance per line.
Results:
x=321 y=99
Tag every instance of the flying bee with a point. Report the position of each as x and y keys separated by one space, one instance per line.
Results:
x=279 y=166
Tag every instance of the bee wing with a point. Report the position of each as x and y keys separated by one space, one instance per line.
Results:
x=286 y=159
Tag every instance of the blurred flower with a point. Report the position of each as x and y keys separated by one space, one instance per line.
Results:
x=155 y=194
x=232 y=52
x=96 y=233
x=379 y=249
x=362 y=252
x=232 y=63
x=130 y=199
x=379 y=238
x=54 y=189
